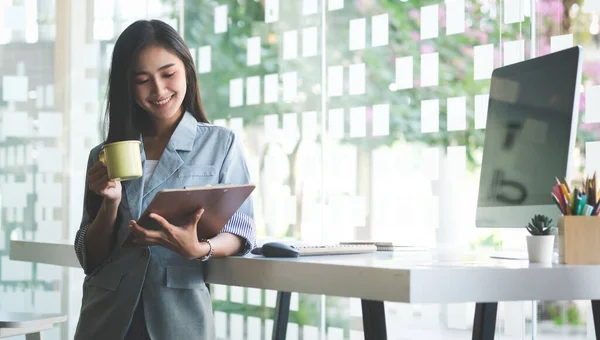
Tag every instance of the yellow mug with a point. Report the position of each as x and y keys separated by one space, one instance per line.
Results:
x=123 y=160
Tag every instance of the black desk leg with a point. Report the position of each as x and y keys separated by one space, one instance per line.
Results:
x=484 y=324
x=373 y=315
x=596 y=314
x=282 y=313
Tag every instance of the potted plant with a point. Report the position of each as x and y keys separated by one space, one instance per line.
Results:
x=540 y=244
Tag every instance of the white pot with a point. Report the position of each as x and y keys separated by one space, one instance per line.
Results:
x=540 y=248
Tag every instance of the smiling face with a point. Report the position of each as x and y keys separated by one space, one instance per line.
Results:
x=159 y=84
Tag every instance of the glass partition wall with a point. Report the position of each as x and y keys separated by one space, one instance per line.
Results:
x=361 y=119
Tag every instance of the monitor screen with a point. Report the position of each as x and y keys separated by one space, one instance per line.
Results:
x=530 y=132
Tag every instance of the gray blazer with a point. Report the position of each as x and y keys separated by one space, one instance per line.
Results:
x=177 y=303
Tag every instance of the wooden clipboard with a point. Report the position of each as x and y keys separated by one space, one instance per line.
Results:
x=176 y=206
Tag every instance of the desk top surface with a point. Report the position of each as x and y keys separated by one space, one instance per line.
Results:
x=29 y=320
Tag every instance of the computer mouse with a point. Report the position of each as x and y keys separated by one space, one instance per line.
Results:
x=278 y=249
x=256 y=251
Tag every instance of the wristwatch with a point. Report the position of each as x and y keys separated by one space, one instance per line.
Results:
x=210 y=251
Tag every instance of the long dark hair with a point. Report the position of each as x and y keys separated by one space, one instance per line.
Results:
x=124 y=117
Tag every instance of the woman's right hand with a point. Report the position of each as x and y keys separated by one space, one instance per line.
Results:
x=99 y=183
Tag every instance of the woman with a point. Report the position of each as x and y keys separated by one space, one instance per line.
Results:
x=155 y=291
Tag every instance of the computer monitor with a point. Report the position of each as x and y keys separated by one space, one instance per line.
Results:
x=530 y=133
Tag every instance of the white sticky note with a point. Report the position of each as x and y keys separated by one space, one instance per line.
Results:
x=357 y=35
x=236 y=326
x=513 y=11
x=221 y=19
x=237 y=125
x=484 y=61
x=204 y=59
x=50 y=124
x=253 y=51
x=290 y=86
x=334 y=333
x=404 y=73
x=294 y=300
x=14 y=88
x=253 y=90
x=271 y=11
x=592 y=104
x=253 y=325
x=254 y=296
x=355 y=307
x=561 y=42
x=271 y=122
x=357 y=79
x=290 y=45
x=457 y=161
x=430 y=69
x=49 y=96
x=220 y=324
x=309 y=7
x=271 y=88
x=309 y=41
x=309 y=125
x=271 y=299
x=268 y=329
x=356 y=335
x=335 y=81
x=457 y=114
x=236 y=294
x=358 y=122
x=220 y=122
x=380 y=28
x=381 y=120
x=290 y=125
x=429 y=22
x=336 y=123
x=481 y=107
x=334 y=4
x=430 y=115
x=236 y=92
x=514 y=52
x=592 y=158
x=455 y=16
x=310 y=332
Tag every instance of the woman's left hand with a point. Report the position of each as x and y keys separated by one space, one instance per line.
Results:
x=180 y=239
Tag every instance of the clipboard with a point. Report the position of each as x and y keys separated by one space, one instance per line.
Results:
x=220 y=203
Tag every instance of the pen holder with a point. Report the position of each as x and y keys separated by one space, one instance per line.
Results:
x=579 y=239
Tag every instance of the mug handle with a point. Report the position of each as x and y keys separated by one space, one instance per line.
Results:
x=101 y=156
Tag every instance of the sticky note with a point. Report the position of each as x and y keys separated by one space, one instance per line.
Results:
x=335 y=81
x=514 y=52
x=310 y=332
x=290 y=86
x=237 y=294
x=14 y=88
x=381 y=120
x=355 y=307
x=236 y=326
x=356 y=335
x=271 y=122
x=430 y=69
x=457 y=113
x=271 y=11
x=221 y=19
x=290 y=45
x=268 y=329
x=430 y=115
x=290 y=125
x=204 y=59
x=513 y=11
x=336 y=123
x=253 y=51
x=380 y=30
x=334 y=333
x=294 y=301
x=220 y=324
x=309 y=7
x=236 y=92
x=592 y=104
x=484 y=61
x=455 y=16
x=271 y=298
x=334 y=4
x=309 y=125
x=358 y=122
x=561 y=42
x=253 y=90
x=429 y=22
x=271 y=88
x=356 y=79
x=357 y=35
x=254 y=296
x=404 y=73
x=292 y=331
x=481 y=107
x=254 y=330
x=592 y=158
x=309 y=41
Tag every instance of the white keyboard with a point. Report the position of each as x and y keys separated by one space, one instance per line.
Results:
x=334 y=249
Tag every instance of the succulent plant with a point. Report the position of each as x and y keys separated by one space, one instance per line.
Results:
x=540 y=225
